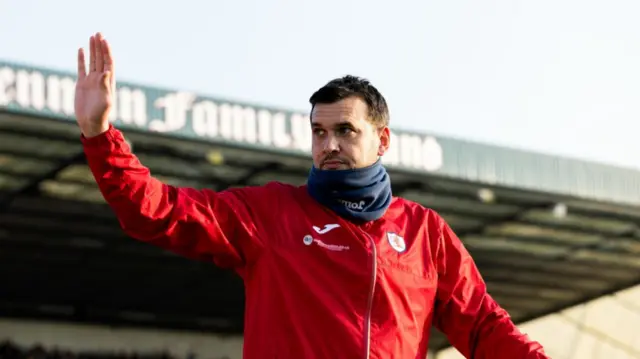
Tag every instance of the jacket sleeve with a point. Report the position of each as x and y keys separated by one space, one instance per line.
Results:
x=472 y=321
x=200 y=224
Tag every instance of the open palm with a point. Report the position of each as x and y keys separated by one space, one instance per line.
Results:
x=94 y=88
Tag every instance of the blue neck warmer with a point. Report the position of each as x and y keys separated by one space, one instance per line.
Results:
x=360 y=195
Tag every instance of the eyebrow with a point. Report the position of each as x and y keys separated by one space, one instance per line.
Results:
x=336 y=125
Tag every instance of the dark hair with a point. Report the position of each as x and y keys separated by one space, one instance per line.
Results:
x=353 y=86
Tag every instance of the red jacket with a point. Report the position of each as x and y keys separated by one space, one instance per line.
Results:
x=317 y=286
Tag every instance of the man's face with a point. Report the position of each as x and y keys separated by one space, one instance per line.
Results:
x=343 y=136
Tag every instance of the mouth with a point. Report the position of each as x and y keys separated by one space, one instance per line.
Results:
x=332 y=164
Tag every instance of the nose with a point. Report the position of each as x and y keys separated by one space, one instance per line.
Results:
x=331 y=144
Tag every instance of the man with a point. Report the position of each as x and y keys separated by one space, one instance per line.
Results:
x=338 y=268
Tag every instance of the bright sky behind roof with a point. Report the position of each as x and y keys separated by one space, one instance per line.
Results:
x=561 y=77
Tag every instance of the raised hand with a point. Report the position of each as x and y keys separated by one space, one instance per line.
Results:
x=94 y=89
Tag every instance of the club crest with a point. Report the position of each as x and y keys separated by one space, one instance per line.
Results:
x=396 y=242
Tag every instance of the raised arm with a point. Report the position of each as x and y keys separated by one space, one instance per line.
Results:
x=201 y=224
x=472 y=321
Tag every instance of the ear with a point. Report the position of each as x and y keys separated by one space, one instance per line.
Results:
x=385 y=140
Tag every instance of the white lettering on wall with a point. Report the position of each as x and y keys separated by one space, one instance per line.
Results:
x=60 y=94
x=265 y=136
x=301 y=132
x=206 y=118
x=281 y=138
x=34 y=91
x=130 y=107
x=414 y=151
x=7 y=88
x=245 y=125
x=432 y=154
x=30 y=90
x=175 y=107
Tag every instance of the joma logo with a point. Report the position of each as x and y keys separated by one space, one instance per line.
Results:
x=353 y=205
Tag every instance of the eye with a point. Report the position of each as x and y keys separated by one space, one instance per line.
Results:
x=344 y=131
x=318 y=131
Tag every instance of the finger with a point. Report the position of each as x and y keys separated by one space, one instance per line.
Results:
x=92 y=54
x=109 y=65
x=99 y=56
x=82 y=67
x=107 y=56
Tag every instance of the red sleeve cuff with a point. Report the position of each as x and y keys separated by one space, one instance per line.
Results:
x=108 y=141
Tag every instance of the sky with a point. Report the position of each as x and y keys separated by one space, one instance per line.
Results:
x=558 y=77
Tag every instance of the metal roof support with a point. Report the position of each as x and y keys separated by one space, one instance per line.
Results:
x=32 y=186
x=247 y=177
x=523 y=209
x=399 y=189
x=610 y=291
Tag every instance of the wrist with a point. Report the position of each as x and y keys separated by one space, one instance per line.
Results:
x=95 y=131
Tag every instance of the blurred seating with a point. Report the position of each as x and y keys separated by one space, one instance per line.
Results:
x=9 y=350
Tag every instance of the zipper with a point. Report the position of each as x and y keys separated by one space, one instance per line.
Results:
x=367 y=318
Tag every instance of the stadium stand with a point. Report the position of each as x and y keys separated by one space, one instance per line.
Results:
x=10 y=350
